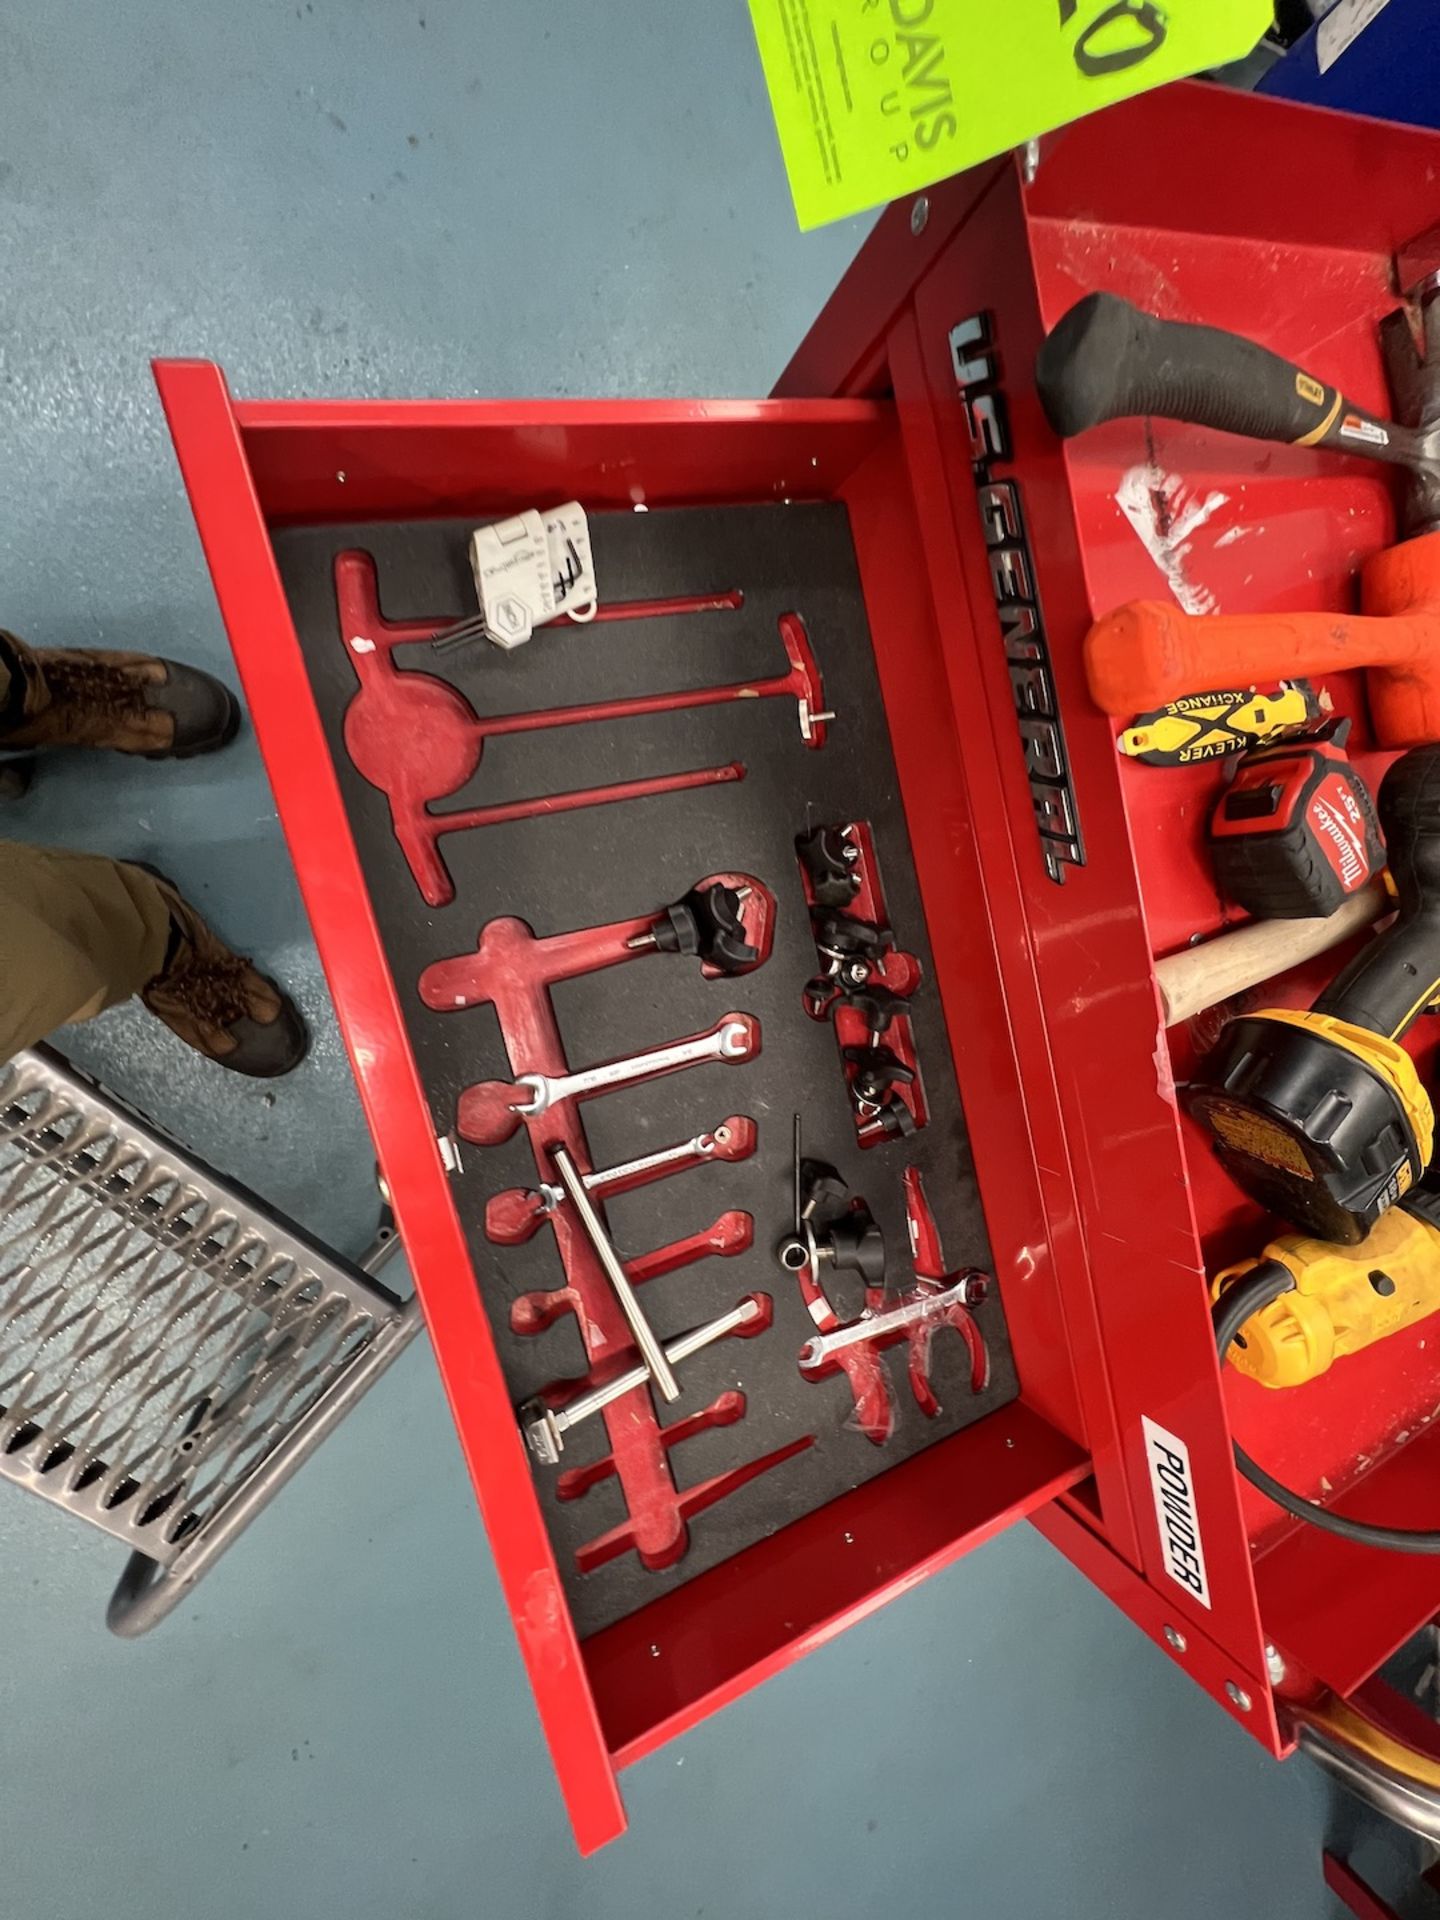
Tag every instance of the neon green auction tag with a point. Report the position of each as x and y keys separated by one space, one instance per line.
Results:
x=875 y=98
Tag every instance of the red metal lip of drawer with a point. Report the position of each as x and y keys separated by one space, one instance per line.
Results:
x=250 y=465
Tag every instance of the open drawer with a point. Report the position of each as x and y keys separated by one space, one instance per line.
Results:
x=1047 y=877
x=273 y=483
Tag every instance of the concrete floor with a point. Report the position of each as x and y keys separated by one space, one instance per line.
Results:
x=341 y=197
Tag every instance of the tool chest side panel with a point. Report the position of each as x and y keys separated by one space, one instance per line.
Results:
x=1090 y=945
x=252 y=602
x=949 y=817
x=1028 y=1141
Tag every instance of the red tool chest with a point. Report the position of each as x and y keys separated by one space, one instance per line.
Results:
x=1052 y=874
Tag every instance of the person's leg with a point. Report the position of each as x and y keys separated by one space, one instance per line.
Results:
x=79 y=933
x=11 y=691
x=126 y=702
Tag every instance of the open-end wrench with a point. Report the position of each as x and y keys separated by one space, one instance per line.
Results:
x=545 y=1427
x=967 y=1290
x=514 y=1216
x=491 y=1112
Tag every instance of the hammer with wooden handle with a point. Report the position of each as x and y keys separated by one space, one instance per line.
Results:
x=1202 y=976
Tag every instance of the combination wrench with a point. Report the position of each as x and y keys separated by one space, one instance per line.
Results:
x=491 y=1112
x=967 y=1291
x=515 y=1215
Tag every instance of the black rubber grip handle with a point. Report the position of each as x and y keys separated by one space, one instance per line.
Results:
x=1106 y=360
x=1397 y=975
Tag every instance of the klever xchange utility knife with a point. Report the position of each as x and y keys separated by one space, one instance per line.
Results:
x=1204 y=726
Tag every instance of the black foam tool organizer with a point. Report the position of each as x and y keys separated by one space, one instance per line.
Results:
x=608 y=863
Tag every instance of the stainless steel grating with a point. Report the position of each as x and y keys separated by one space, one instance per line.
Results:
x=170 y=1351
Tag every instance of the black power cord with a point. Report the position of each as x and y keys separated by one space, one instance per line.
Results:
x=1234 y=1307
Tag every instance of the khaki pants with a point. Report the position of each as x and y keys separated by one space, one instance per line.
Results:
x=78 y=934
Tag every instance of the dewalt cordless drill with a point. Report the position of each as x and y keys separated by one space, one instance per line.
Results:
x=1320 y=1115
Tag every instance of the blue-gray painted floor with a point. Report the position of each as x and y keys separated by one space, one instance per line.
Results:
x=344 y=197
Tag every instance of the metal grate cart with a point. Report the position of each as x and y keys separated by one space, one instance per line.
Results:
x=171 y=1350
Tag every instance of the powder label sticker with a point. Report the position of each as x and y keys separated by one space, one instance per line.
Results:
x=1181 y=1547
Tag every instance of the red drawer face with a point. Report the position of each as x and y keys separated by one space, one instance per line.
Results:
x=811 y=1501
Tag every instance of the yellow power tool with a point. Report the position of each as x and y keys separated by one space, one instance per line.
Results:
x=1343 y=1298
x=1288 y=1316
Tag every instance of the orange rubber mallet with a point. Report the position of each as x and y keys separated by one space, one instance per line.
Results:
x=1149 y=652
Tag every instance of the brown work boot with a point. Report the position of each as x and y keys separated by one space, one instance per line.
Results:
x=127 y=702
x=219 y=1002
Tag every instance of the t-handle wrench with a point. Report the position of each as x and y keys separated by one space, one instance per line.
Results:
x=545 y=1427
x=1106 y=360
x=651 y=1351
